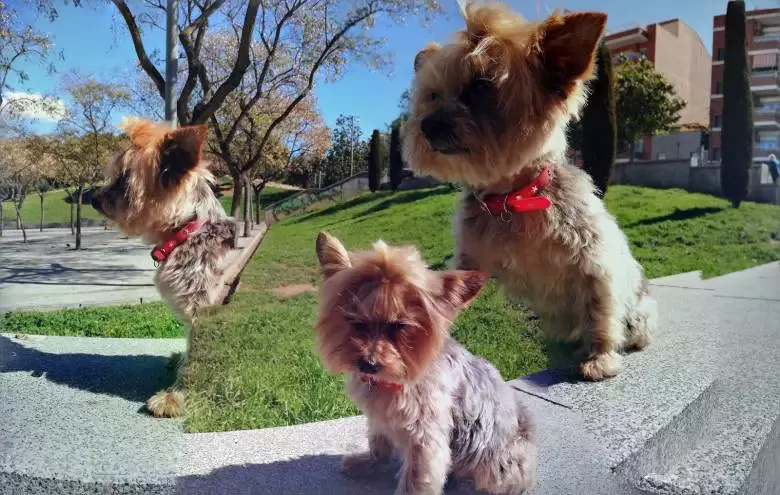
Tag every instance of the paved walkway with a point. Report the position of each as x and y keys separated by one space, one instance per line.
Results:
x=47 y=273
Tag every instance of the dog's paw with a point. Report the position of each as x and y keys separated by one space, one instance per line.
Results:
x=166 y=404
x=600 y=366
x=176 y=360
x=359 y=465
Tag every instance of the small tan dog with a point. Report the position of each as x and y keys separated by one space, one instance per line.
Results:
x=159 y=189
x=384 y=321
x=490 y=111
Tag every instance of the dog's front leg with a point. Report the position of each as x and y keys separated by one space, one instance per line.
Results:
x=603 y=333
x=426 y=464
x=365 y=463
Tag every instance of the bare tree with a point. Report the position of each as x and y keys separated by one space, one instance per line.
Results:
x=296 y=42
x=86 y=139
x=18 y=174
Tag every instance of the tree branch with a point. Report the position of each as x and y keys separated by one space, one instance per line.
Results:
x=140 y=51
x=202 y=112
x=360 y=16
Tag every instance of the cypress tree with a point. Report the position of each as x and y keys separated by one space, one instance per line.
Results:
x=737 y=127
x=396 y=161
x=374 y=158
x=599 y=124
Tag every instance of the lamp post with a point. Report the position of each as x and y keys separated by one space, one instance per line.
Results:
x=171 y=62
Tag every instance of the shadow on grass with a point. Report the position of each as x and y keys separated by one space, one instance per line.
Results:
x=307 y=475
x=357 y=201
x=404 y=199
x=677 y=215
x=134 y=378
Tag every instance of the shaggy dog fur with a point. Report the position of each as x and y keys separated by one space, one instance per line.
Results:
x=490 y=111
x=155 y=187
x=384 y=321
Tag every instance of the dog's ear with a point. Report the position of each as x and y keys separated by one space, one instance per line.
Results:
x=332 y=255
x=420 y=58
x=568 y=46
x=461 y=286
x=180 y=152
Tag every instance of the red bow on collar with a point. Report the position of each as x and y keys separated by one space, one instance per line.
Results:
x=389 y=386
x=161 y=251
x=521 y=200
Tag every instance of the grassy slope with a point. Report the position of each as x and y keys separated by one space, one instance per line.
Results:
x=253 y=364
x=55 y=210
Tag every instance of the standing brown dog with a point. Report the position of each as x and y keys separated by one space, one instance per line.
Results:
x=490 y=110
x=160 y=190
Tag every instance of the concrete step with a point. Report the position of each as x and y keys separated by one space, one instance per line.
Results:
x=697 y=407
x=759 y=282
x=690 y=280
x=72 y=419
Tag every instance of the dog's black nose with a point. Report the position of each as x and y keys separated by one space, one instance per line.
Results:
x=368 y=366
x=436 y=129
x=96 y=203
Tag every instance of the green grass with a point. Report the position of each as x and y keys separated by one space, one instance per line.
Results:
x=152 y=320
x=55 y=210
x=268 y=195
x=253 y=364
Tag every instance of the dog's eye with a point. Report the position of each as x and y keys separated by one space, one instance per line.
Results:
x=360 y=327
x=394 y=327
x=434 y=96
x=478 y=89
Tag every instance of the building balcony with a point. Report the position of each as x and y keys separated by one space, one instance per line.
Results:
x=762 y=149
x=766 y=83
x=766 y=117
x=766 y=42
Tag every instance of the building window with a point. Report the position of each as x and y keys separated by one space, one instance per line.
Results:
x=718 y=88
x=643 y=52
x=716 y=121
x=660 y=156
x=716 y=154
x=721 y=54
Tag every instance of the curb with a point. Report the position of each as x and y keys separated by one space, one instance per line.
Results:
x=231 y=276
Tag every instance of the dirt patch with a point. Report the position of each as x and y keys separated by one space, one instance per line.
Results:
x=293 y=290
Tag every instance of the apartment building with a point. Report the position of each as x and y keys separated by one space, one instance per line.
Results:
x=677 y=51
x=763 y=45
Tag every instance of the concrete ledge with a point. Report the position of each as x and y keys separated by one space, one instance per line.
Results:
x=247 y=247
x=72 y=420
x=696 y=412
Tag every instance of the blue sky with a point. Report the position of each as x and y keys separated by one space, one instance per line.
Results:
x=94 y=41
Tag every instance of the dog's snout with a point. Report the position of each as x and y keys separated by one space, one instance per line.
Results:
x=369 y=366
x=96 y=202
x=436 y=129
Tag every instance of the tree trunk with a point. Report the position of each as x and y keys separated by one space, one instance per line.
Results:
x=41 y=195
x=72 y=217
x=247 y=208
x=632 y=151
x=239 y=183
x=19 y=221
x=78 y=217
x=258 y=190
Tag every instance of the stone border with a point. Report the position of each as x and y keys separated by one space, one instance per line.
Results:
x=232 y=274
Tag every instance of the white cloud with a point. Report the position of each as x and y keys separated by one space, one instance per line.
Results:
x=34 y=106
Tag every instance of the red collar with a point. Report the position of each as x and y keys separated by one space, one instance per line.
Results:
x=164 y=249
x=389 y=386
x=522 y=200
